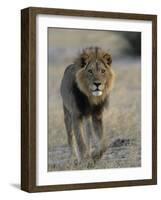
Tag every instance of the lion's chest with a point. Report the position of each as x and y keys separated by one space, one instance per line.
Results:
x=82 y=102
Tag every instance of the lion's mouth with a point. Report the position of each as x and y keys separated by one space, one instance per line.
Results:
x=96 y=89
x=96 y=93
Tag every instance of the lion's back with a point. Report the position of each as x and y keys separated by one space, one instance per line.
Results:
x=67 y=84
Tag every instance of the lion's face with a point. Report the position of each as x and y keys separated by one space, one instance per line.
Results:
x=96 y=74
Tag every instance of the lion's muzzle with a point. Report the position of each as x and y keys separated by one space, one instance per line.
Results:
x=97 y=88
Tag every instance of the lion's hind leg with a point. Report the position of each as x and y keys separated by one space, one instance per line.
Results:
x=80 y=146
x=68 y=125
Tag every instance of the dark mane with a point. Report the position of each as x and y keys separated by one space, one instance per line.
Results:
x=91 y=53
x=85 y=108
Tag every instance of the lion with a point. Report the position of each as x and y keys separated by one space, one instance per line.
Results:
x=85 y=90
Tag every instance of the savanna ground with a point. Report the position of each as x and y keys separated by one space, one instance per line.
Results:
x=122 y=120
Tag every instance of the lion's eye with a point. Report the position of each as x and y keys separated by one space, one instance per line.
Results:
x=103 y=71
x=90 y=71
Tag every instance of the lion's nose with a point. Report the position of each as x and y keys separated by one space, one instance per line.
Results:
x=97 y=84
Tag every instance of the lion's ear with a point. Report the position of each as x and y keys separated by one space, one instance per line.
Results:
x=84 y=60
x=108 y=59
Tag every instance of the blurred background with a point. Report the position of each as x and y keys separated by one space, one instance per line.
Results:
x=122 y=121
x=70 y=42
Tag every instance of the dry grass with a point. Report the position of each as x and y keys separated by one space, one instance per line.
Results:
x=122 y=122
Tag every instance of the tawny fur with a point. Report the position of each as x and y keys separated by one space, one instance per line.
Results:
x=92 y=66
x=82 y=84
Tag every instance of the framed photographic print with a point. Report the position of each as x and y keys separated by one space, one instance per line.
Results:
x=88 y=99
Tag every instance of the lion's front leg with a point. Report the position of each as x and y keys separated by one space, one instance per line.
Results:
x=89 y=138
x=98 y=130
x=77 y=129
